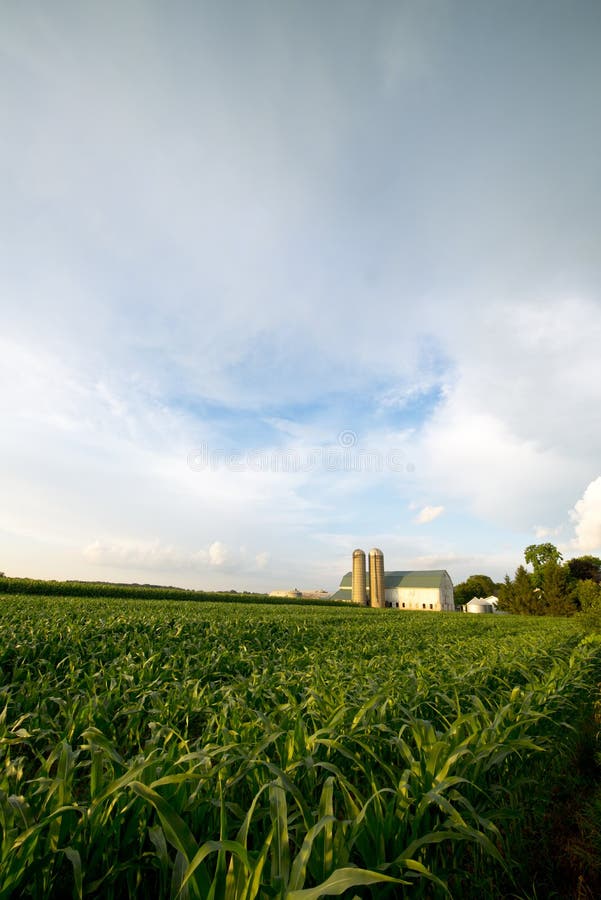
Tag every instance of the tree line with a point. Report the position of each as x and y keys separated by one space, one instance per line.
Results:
x=554 y=587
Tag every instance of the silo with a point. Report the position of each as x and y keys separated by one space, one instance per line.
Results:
x=377 y=590
x=358 y=582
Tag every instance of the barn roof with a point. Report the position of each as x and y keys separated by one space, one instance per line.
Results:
x=429 y=578
x=425 y=579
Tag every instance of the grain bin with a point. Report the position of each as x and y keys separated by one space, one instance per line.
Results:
x=478 y=605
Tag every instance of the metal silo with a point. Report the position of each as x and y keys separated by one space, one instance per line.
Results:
x=358 y=583
x=377 y=590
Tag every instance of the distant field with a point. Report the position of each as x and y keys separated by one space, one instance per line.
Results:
x=104 y=589
x=231 y=750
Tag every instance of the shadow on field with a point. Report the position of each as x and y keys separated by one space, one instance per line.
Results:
x=563 y=851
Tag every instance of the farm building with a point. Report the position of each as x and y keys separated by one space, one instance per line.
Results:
x=424 y=590
x=301 y=595
x=481 y=605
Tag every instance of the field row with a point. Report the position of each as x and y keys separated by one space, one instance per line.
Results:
x=219 y=750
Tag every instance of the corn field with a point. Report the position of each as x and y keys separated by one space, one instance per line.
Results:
x=185 y=750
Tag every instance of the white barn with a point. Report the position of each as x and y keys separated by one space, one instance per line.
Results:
x=422 y=590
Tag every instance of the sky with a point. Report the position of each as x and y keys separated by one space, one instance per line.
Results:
x=283 y=279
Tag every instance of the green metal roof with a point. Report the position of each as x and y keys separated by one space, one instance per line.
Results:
x=430 y=578
x=425 y=579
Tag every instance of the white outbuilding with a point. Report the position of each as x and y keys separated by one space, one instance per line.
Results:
x=481 y=605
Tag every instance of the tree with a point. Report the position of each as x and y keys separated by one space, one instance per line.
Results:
x=558 y=596
x=538 y=555
x=526 y=598
x=585 y=568
x=519 y=595
x=474 y=586
x=505 y=593
x=551 y=589
x=589 y=595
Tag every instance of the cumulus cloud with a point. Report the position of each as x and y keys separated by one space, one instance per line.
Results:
x=471 y=454
x=586 y=517
x=218 y=554
x=134 y=554
x=143 y=555
x=428 y=514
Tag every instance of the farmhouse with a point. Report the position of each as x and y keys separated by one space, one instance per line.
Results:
x=423 y=590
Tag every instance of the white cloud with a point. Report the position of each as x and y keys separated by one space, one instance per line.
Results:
x=586 y=516
x=495 y=442
x=471 y=455
x=542 y=532
x=144 y=555
x=262 y=560
x=218 y=554
x=428 y=514
x=155 y=555
x=523 y=360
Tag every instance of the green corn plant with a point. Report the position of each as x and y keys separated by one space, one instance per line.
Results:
x=214 y=750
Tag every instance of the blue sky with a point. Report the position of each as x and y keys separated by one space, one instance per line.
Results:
x=349 y=249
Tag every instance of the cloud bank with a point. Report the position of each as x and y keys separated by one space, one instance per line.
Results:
x=256 y=230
